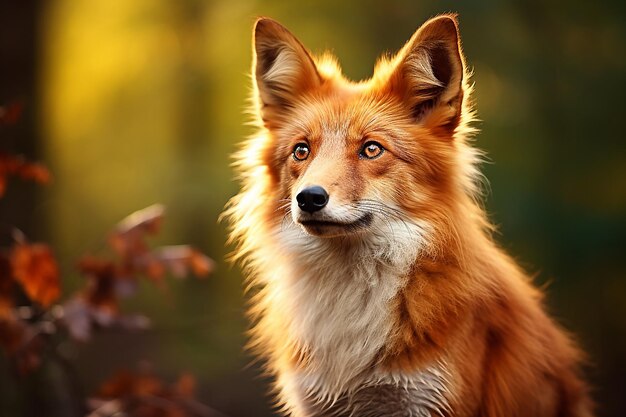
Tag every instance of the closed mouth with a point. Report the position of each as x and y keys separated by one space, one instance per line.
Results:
x=319 y=227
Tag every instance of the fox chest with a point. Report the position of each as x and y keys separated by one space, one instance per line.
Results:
x=344 y=333
x=339 y=306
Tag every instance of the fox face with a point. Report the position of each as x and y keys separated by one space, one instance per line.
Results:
x=374 y=156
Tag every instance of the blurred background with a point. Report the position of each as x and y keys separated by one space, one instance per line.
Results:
x=135 y=102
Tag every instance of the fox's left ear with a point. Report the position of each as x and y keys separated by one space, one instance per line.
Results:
x=429 y=70
x=283 y=70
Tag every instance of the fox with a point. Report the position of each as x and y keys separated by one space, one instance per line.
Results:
x=376 y=285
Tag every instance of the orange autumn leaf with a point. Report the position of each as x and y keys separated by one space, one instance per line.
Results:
x=128 y=237
x=6 y=306
x=185 y=386
x=18 y=166
x=100 y=293
x=125 y=383
x=35 y=268
x=154 y=269
x=36 y=172
x=142 y=394
x=201 y=265
x=147 y=220
x=182 y=258
x=93 y=266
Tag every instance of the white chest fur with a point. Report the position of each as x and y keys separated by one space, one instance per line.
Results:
x=336 y=298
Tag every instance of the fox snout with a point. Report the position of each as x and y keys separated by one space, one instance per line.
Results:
x=312 y=198
x=318 y=218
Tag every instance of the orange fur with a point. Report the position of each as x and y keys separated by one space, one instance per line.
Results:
x=439 y=300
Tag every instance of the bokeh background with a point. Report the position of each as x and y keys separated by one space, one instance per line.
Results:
x=135 y=102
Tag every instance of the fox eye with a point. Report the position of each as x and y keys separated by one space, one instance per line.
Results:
x=371 y=150
x=301 y=152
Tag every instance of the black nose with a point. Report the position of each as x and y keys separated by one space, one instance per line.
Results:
x=312 y=199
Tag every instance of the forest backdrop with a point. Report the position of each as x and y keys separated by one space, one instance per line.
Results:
x=130 y=103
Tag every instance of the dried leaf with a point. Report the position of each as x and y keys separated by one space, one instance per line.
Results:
x=35 y=268
x=181 y=258
x=152 y=267
x=142 y=394
x=185 y=386
x=97 y=305
x=148 y=220
x=36 y=172
x=176 y=259
x=6 y=304
x=119 y=385
x=125 y=383
x=201 y=264
x=128 y=238
x=101 y=285
x=79 y=317
x=18 y=166
x=93 y=266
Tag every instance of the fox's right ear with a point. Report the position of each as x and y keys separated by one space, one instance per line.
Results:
x=283 y=70
x=429 y=72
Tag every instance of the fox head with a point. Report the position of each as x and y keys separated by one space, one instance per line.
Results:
x=345 y=158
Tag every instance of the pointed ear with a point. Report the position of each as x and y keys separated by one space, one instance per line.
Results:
x=429 y=72
x=283 y=70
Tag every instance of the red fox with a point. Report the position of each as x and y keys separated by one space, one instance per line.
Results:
x=379 y=290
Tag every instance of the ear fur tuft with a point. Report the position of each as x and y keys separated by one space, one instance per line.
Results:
x=283 y=69
x=429 y=71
